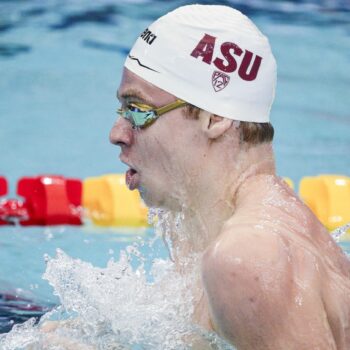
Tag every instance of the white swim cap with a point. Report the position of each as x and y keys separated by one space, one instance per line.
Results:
x=211 y=56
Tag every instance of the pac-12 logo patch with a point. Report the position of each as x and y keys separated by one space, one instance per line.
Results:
x=219 y=80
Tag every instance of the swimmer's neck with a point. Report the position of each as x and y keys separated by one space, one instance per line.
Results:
x=211 y=204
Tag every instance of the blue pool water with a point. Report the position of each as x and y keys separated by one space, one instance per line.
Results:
x=60 y=66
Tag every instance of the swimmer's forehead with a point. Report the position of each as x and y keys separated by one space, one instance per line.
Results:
x=135 y=89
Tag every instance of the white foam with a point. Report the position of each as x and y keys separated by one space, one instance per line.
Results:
x=119 y=306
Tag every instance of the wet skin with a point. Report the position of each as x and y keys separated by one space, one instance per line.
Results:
x=284 y=283
x=272 y=278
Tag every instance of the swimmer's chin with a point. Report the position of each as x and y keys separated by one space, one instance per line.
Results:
x=155 y=200
x=150 y=198
x=147 y=198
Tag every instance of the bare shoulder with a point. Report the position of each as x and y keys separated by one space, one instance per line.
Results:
x=255 y=290
x=245 y=251
x=247 y=264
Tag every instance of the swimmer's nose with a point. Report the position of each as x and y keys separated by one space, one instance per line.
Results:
x=121 y=133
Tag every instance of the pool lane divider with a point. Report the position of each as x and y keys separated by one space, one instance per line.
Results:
x=106 y=201
x=47 y=200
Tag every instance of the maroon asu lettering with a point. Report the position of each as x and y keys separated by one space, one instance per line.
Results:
x=247 y=70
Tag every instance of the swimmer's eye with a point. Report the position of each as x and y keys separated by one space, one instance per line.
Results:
x=139 y=107
x=141 y=115
x=135 y=107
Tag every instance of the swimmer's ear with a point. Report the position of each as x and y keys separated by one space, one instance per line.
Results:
x=213 y=125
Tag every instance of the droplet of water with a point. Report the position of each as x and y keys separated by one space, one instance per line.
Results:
x=338 y=233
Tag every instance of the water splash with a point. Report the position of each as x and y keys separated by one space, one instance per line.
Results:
x=340 y=232
x=121 y=306
x=165 y=222
x=22 y=336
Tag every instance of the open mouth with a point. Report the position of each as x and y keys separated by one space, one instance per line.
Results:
x=132 y=178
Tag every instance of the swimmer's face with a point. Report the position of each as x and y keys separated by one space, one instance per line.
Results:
x=165 y=157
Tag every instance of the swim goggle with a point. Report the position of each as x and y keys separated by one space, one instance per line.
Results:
x=141 y=115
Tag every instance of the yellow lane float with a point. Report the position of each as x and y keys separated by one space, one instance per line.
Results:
x=328 y=196
x=108 y=202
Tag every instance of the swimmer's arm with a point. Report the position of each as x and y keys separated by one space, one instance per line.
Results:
x=51 y=336
x=253 y=302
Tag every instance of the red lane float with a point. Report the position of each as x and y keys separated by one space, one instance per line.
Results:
x=3 y=192
x=48 y=200
x=3 y=186
x=51 y=200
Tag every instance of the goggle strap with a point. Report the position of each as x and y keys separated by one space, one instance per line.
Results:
x=170 y=107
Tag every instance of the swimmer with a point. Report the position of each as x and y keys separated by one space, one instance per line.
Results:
x=194 y=129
